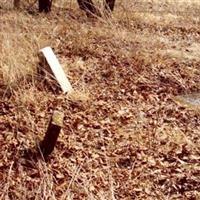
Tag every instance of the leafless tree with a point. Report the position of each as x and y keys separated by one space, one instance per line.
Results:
x=45 y=5
x=86 y=5
x=16 y=3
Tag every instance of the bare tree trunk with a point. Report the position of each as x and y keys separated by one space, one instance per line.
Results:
x=45 y=5
x=16 y=4
x=109 y=5
x=87 y=6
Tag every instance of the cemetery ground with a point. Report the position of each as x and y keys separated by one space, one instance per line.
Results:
x=124 y=136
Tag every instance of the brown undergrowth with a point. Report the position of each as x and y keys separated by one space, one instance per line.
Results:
x=123 y=136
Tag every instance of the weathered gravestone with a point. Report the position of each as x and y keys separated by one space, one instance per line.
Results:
x=49 y=61
x=52 y=133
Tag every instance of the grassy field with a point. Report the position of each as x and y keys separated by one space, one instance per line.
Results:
x=123 y=137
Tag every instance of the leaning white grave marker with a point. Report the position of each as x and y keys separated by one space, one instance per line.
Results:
x=56 y=69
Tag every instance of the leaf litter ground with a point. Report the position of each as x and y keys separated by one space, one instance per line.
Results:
x=124 y=137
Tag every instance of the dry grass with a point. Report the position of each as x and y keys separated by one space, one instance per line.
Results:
x=123 y=136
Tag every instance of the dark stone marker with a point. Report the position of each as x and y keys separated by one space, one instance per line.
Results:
x=51 y=136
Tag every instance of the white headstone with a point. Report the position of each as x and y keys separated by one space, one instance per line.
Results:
x=57 y=69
